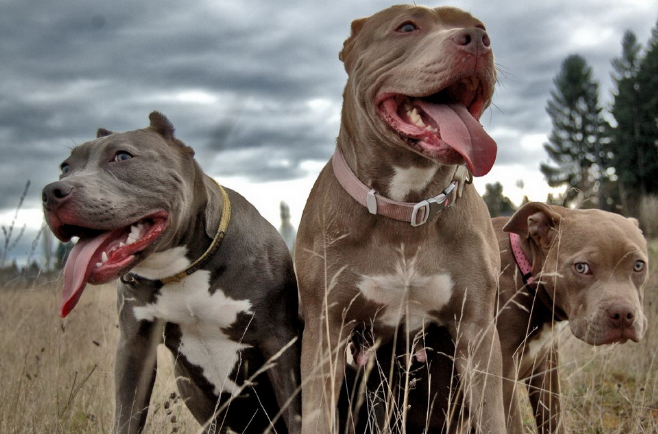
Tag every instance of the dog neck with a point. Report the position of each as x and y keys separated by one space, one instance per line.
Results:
x=225 y=218
x=414 y=213
x=533 y=285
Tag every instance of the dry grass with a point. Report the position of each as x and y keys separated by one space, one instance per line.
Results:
x=58 y=373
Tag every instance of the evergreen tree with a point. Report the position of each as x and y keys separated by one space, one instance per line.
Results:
x=578 y=144
x=647 y=88
x=497 y=204
x=625 y=136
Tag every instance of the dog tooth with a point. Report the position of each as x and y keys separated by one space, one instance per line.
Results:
x=104 y=257
x=99 y=264
x=121 y=244
x=415 y=118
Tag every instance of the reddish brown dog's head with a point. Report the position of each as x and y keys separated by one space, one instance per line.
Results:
x=593 y=264
x=420 y=78
x=119 y=194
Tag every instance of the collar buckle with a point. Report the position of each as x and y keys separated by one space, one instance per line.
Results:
x=433 y=205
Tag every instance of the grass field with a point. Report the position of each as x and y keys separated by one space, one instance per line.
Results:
x=57 y=374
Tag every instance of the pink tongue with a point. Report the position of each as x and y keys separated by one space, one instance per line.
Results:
x=77 y=271
x=463 y=133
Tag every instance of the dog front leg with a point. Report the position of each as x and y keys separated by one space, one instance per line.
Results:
x=134 y=371
x=544 y=393
x=285 y=377
x=511 y=400
x=323 y=370
x=479 y=366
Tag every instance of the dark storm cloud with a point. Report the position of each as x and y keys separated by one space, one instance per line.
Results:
x=238 y=78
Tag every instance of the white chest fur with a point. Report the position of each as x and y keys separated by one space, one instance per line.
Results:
x=545 y=336
x=411 y=179
x=408 y=296
x=201 y=317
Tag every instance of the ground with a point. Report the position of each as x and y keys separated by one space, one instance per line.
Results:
x=58 y=373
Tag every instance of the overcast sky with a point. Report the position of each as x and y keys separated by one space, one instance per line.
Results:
x=254 y=86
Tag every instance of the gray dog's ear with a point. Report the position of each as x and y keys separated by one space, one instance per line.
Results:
x=537 y=221
x=357 y=25
x=102 y=132
x=163 y=126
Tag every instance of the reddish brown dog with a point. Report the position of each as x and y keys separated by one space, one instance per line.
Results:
x=378 y=245
x=587 y=267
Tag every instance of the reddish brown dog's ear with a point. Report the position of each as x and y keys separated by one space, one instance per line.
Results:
x=357 y=25
x=102 y=132
x=535 y=220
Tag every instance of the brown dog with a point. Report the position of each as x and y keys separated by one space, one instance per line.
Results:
x=374 y=249
x=587 y=267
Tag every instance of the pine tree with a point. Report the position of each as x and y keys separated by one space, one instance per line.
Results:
x=625 y=137
x=497 y=203
x=578 y=144
x=647 y=82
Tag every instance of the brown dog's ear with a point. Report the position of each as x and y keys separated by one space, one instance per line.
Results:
x=102 y=132
x=357 y=25
x=535 y=220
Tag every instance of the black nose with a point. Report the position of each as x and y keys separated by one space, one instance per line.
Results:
x=473 y=40
x=55 y=194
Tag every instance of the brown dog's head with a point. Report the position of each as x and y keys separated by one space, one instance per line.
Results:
x=592 y=264
x=119 y=194
x=420 y=78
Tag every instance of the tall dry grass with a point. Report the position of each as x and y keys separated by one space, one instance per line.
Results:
x=57 y=374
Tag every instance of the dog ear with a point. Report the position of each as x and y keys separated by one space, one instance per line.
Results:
x=635 y=221
x=163 y=126
x=537 y=221
x=102 y=132
x=357 y=25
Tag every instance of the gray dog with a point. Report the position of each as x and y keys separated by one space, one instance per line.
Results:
x=201 y=271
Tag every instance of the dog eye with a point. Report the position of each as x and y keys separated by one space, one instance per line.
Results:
x=122 y=156
x=639 y=266
x=65 y=169
x=581 y=267
x=407 y=27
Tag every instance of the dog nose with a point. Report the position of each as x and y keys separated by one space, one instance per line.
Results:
x=53 y=195
x=621 y=316
x=473 y=40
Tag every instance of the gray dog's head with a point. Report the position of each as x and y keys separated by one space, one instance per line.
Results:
x=123 y=195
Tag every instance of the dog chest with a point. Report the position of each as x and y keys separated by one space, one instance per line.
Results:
x=408 y=296
x=201 y=317
x=541 y=340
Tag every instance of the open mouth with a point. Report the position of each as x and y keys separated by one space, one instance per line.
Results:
x=444 y=125
x=101 y=256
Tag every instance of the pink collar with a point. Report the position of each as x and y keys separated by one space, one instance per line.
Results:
x=415 y=213
x=522 y=260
